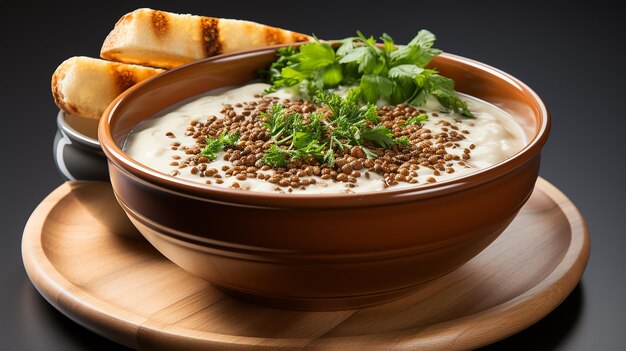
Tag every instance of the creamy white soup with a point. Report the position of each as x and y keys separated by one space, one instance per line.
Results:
x=433 y=145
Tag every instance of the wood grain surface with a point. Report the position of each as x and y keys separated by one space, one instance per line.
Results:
x=87 y=260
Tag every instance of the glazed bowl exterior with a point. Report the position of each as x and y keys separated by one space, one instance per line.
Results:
x=330 y=251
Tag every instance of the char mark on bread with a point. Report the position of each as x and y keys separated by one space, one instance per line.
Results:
x=211 y=36
x=124 y=78
x=162 y=39
x=85 y=86
x=274 y=36
x=297 y=37
x=159 y=22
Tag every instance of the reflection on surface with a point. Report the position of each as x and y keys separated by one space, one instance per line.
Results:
x=98 y=198
x=550 y=332
x=52 y=330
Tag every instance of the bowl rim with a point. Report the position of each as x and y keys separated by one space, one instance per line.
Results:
x=75 y=135
x=212 y=193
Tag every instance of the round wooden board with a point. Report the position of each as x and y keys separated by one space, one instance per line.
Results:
x=122 y=288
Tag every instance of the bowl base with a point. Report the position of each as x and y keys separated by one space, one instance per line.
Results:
x=320 y=304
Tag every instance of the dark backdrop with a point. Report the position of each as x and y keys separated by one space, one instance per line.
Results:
x=571 y=54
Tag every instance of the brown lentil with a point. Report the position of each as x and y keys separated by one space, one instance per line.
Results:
x=427 y=148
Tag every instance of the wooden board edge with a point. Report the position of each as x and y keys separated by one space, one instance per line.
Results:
x=487 y=326
x=60 y=293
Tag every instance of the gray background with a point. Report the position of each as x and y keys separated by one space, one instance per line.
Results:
x=571 y=54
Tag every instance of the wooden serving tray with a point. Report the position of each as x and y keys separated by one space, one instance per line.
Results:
x=123 y=289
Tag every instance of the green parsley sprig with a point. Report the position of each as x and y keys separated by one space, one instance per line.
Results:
x=389 y=72
x=347 y=124
x=415 y=120
x=215 y=145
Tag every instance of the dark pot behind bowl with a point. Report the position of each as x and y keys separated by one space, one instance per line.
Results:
x=77 y=154
x=320 y=251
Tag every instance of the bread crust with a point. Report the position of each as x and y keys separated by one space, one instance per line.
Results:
x=163 y=39
x=85 y=86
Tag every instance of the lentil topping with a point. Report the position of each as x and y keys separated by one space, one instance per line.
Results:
x=438 y=146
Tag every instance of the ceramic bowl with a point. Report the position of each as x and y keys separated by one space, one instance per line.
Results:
x=320 y=252
x=76 y=150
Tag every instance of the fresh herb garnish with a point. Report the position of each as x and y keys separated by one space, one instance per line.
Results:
x=415 y=120
x=396 y=74
x=347 y=124
x=277 y=157
x=215 y=145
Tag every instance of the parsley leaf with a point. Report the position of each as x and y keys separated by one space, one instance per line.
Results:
x=405 y=71
x=368 y=153
x=443 y=89
x=315 y=55
x=424 y=39
x=329 y=157
x=348 y=124
x=395 y=74
x=374 y=87
x=415 y=119
x=380 y=135
x=215 y=145
x=277 y=157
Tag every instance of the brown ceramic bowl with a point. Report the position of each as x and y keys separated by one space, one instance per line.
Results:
x=320 y=251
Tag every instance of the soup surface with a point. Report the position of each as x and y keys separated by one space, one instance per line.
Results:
x=433 y=145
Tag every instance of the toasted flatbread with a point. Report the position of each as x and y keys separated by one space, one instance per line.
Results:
x=163 y=39
x=85 y=86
